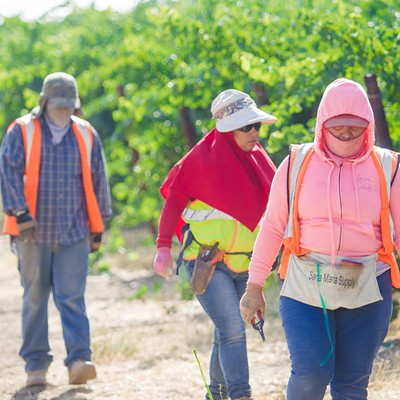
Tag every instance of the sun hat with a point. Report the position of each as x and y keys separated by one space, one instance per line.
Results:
x=61 y=90
x=233 y=109
x=346 y=120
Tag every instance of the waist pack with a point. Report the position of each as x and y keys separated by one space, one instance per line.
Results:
x=332 y=286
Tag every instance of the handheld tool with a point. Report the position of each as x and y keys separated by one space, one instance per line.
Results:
x=258 y=325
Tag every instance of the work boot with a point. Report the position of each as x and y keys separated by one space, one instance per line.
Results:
x=35 y=378
x=81 y=371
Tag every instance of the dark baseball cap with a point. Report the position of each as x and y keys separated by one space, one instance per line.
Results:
x=61 y=90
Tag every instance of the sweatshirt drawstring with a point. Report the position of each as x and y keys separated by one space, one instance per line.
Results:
x=331 y=230
x=353 y=173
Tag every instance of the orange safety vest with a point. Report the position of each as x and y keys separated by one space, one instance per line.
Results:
x=386 y=163
x=32 y=139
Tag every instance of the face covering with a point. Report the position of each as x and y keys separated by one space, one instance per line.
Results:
x=57 y=133
x=344 y=149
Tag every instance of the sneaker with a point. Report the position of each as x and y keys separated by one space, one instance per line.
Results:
x=81 y=371
x=35 y=378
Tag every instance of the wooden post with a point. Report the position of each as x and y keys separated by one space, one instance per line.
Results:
x=261 y=96
x=121 y=90
x=134 y=153
x=189 y=131
x=381 y=126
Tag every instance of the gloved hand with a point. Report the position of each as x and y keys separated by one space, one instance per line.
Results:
x=252 y=300
x=95 y=241
x=27 y=227
x=163 y=262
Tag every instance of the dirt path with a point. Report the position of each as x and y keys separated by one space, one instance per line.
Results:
x=143 y=348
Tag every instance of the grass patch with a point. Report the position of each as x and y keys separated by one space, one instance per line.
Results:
x=114 y=345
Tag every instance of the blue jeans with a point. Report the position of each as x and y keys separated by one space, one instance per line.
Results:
x=229 y=371
x=63 y=271
x=356 y=334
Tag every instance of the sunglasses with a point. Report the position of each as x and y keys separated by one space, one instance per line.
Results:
x=248 y=128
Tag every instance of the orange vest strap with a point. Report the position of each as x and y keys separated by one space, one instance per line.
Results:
x=32 y=168
x=295 y=219
x=287 y=251
x=93 y=210
x=291 y=156
x=394 y=269
x=385 y=211
x=385 y=254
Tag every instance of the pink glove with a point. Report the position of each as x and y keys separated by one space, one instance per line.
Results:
x=163 y=262
x=252 y=301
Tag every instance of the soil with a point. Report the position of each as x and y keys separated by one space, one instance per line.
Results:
x=145 y=337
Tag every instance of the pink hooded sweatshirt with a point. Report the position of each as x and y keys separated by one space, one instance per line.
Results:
x=340 y=199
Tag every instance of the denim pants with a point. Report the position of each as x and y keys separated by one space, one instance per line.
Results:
x=229 y=371
x=63 y=271
x=357 y=335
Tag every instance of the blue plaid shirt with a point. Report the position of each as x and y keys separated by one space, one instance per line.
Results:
x=61 y=206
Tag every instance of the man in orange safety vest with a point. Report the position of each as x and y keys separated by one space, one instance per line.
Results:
x=56 y=198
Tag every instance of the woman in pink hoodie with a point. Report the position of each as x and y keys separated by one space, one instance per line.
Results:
x=334 y=207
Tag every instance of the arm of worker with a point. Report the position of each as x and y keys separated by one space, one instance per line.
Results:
x=99 y=176
x=273 y=225
x=170 y=214
x=267 y=245
x=12 y=167
x=395 y=209
x=101 y=187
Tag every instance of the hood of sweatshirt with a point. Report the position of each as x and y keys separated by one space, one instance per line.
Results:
x=344 y=96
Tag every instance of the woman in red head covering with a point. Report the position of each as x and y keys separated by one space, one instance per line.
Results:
x=218 y=192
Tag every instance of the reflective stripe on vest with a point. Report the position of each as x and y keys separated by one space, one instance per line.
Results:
x=32 y=139
x=190 y=215
x=299 y=153
x=386 y=162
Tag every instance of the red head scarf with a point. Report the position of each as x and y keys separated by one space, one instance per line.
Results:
x=219 y=173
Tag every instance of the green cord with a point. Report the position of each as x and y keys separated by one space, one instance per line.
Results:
x=328 y=331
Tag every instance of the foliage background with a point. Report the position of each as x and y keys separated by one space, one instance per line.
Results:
x=147 y=77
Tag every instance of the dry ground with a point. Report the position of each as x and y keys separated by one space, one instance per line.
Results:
x=143 y=347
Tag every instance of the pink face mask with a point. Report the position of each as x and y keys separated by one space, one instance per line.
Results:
x=344 y=149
